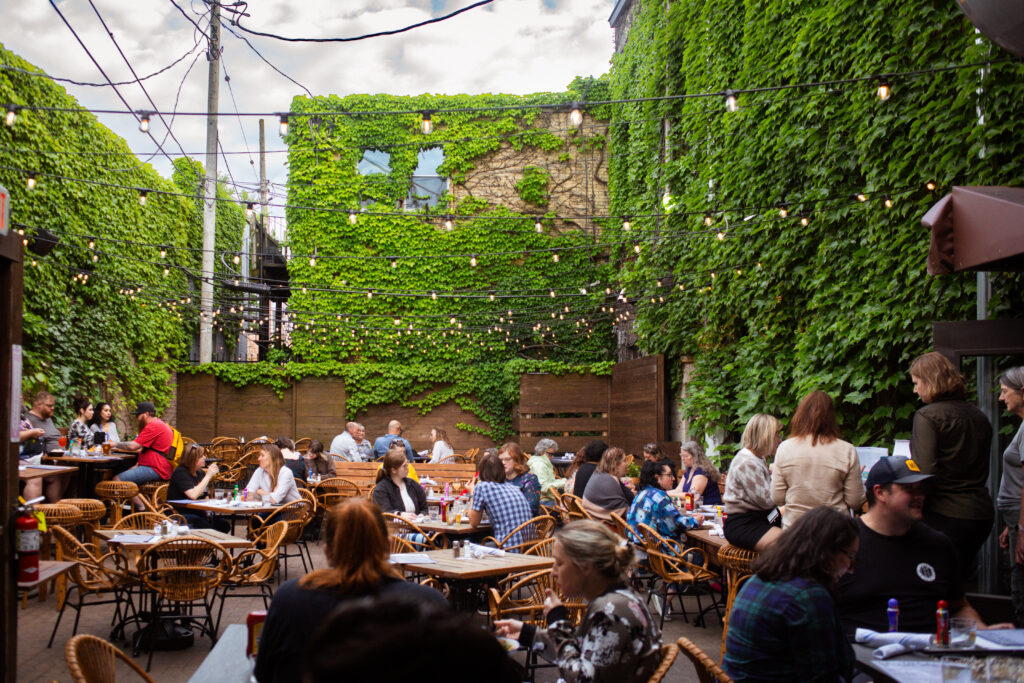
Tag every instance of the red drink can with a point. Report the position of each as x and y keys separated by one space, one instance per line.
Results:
x=254 y=621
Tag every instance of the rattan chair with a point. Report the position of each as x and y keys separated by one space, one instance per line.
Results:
x=736 y=565
x=574 y=507
x=93 y=660
x=417 y=537
x=543 y=548
x=676 y=565
x=145 y=521
x=147 y=490
x=333 y=490
x=92 y=512
x=254 y=569
x=624 y=530
x=57 y=515
x=312 y=532
x=93 y=575
x=472 y=454
x=455 y=458
x=397 y=544
x=224 y=449
x=187 y=439
x=520 y=597
x=115 y=494
x=302 y=445
x=229 y=475
x=535 y=530
x=183 y=572
x=707 y=670
x=297 y=514
x=668 y=655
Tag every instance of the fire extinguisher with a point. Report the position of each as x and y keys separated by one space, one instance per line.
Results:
x=28 y=545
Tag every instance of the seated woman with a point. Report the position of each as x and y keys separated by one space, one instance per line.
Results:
x=518 y=473
x=699 y=476
x=584 y=465
x=605 y=492
x=753 y=521
x=504 y=503
x=814 y=466
x=292 y=458
x=190 y=482
x=317 y=462
x=356 y=546
x=540 y=464
x=617 y=640
x=441 y=448
x=395 y=492
x=653 y=507
x=79 y=430
x=784 y=625
x=652 y=453
x=103 y=421
x=272 y=478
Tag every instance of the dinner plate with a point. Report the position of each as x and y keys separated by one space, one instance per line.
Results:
x=509 y=644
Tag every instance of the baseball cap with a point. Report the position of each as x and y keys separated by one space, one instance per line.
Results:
x=144 y=407
x=895 y=470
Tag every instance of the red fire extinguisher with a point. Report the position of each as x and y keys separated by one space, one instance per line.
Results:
x=28 y=545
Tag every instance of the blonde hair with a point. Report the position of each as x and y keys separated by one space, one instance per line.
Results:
x=701 y=460
x=938 y=377
x=759 y=434
x=611 y=460
x=588 y=542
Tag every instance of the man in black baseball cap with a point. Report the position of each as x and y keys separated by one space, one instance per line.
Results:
x=152 y=443
x=900 y=557
x=144 y=407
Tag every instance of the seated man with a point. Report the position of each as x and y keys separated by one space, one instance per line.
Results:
x=347 y=444
x=383 y=443
x=152 y=443
x=900 y=557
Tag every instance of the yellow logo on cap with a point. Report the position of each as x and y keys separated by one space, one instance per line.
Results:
x=912 y=466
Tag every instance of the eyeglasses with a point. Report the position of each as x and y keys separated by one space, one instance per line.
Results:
x=651 y=447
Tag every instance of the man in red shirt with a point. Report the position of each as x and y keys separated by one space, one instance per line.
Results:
x=153 y=441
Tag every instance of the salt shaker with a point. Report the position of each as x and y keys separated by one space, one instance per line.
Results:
x=455 y=549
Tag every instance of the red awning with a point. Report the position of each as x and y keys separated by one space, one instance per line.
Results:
x=977 y=228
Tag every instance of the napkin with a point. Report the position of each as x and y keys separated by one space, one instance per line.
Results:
x=891 y=644
x=486 y=550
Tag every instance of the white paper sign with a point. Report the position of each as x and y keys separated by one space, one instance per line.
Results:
x=15 y=391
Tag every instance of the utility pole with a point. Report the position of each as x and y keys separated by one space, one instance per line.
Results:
x=264 y=298
x=210 y=192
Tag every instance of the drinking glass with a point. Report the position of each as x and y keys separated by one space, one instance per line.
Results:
x=959 y=669
x=106 y=448
x=62 y=442
x=265 y=499
x=220 y=494
x=962 y=632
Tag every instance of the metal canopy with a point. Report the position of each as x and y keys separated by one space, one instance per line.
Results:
x=977 y=228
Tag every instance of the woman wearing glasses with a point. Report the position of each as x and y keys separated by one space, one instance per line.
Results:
x=698 y=475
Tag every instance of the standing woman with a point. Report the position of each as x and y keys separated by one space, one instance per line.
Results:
x=752 y=520
x=1011 y=489
x=190 y=482
x=79 y=427
x=814 y=466
x=103 y=421
x=319 y=462
x=698 y=475
x=617 y=640
x=784 y=625
x=272 y=478
x=395 y=492
x=441 y=448
x=951 y=440
x=518 y=473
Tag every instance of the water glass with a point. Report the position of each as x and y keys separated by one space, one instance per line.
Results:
x=962 y=632
x=959 y=669
x=265 y=499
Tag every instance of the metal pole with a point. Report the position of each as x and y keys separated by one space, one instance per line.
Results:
x=988 y=558
x=210 y=192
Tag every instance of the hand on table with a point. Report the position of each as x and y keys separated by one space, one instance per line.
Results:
x=995 y=627
x=509 y=628
x=261 y=492
x=551 y=601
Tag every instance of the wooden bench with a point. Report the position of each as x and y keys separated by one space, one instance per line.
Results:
x=365 y=473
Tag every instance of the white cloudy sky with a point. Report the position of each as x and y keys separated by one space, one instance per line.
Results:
x=509 y=46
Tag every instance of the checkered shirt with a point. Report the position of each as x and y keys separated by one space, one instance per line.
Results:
x=506 y=506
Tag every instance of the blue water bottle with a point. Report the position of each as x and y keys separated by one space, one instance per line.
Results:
x=894 y=615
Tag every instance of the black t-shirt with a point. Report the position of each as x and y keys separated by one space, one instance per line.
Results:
x=583 y=475
x=298 y=468
x=181 y=481
x=918 y=568
x=296 y=613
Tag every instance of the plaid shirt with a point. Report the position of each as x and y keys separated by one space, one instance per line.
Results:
x=786 y=631
x=505 y=505
x=653 y=507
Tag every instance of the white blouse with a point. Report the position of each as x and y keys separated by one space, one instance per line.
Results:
x=284 y=492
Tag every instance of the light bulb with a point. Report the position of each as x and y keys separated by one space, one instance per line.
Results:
x=144 y=123
x=861 y=197
x=576 y=115
x=394 y=263
x=312 y=259
x=731 y=103
x=12 y=114
x=369 y=294
x=167 y=272
x=472 y=260
x=626 y=225
x=92 y=242
x=884 y=90
x=720 y=235
x=433 y=295
x=930 y=185
x=708 y=219
x=636 y=248
x=95 y=258
x=492 y=296
x=804 y=220
x=30 y=182
x=284 y=124
x=352 y=217
x=142 y=197
x=163 y=252
x=448 y=224
x=538 y=227
x=554 y=257
x=427 y=126
x=237 y=259
x=552 y=293
x=783 y=212
x=888 y=202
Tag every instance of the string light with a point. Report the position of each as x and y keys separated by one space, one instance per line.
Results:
x=12 y=114
x=861 y=197
x=492 y=296
x=433 y=295
x=783 y=211
x=92 y=242
x=888 y=202
x=472 y=260
x=448 y=224
x=427 y=125
x=144 y=122
x=626 y=225
x=30 y=181
x=720 y=235
x=636 y=248
x=884 y=89
x=237 y=259
x=930 y=185
x=352 y=217
x=554 y=257
x=576 y=115
x=284 y=124
x=312 y=259
x=731 y=103
x=394 y=262
x=538 y=226
x=804 y=220
x=142 y=197
x=708 y=219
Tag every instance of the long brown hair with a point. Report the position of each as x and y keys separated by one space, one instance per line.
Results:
x=442 y=435
x=276 y=462
x=808 y=548
x=357 y=549
x=190 y=456
x=815 y=418
x=518 y=457
x=393 y=459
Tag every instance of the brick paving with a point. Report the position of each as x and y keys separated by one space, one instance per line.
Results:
x=37 y=664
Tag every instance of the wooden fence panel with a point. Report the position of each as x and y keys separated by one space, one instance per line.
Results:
x=638 y=403
x=416 y=427
x=253 y=411
x=571 y=409
x=197 y=400
x=319 y=409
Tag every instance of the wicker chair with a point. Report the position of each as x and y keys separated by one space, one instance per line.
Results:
x=57 y=515
x=144 y=521
x=417 y=537
x=187 y=440
x=707 y=670
x=535 y=530
x=624 y=530
x=93 y=660
x=297 y=515
x=229 y=475
x=520 y=597
x=92 y=512
x=253 y=569
x=115 y=494
x=155 y=499
x=147 y=490
x=302 y=445
x=472 y=454
x=544 y=548
x=183 y=571
x=674 y=564
x=574 y=507
x=93 y=575
x=456 y=458
x=332 y=490
x=736 y=565
x=226 y=450
x=397 y=544
x=312 y=532
x=668 y=655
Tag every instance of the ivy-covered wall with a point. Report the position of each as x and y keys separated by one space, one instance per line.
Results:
x=115 y=332
x=771 y=307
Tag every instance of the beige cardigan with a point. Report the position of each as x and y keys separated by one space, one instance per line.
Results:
x=806 y=476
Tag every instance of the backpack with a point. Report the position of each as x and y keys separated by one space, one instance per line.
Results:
x=177 y=447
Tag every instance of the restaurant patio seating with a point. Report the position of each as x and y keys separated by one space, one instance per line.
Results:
x=145 y=521
x=676 y=565
x=254 y=568
x=302 y=445
x=183 y=571
x=536 y=530
x=520 y=597
x=668 y=656
x=624 y=530
x=543 y=548
x=417 y=537
x=229 y=475
x=57 y=515
x=331 y=491
x=707 y=670
x=92 y=512
x=93 y=575
x=736 y=565
x=455 y=458
x=115 y=494
x=156 y=500
x=224 y=449
x=94 y=660
x=297 y=515
x=312 y=532
x=574 y=507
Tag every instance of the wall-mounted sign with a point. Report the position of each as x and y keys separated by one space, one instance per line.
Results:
x=5 y=210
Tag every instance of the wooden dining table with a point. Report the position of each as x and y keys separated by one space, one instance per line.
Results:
x=138 y=540
x=87 y=466
x=36 y=472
